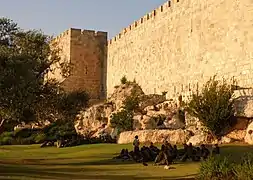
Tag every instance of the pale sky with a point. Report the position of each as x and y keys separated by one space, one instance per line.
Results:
x=56 y=16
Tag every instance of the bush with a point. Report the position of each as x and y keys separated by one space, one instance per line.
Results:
x=216 y=168
x=39 y=138
x=6 y=138
x=214 y=106
x=220 y=168
x=123 y=80
x=244 y=171
x=122 y=120
x=131 y=103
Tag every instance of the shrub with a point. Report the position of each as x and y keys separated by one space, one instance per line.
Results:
x=213 y=106
x=123 y=80
x=131 y=103
x=123 y=120
x=39 y=138
x=216 y=168
x=6 y=140
x=244 y=171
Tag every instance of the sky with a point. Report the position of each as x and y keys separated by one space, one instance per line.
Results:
x=56 y=16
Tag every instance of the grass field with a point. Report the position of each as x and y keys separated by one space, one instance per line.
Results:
x=90 y=162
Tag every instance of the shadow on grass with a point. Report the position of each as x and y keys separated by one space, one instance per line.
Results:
x=17 y=172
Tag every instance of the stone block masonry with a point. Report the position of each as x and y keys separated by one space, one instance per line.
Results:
x=86 y=53
x=182 y=43
x=175 y=48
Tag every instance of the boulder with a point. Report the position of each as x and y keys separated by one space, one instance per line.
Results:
x=198 y=139
x=193 y=124
x=249 y=134
x=241 y=123
x=148 y=122
x=237 y=135
x=225 y=140
x=93 y=118
x=137 y=122
x=174 y=123
x=244 y=106
x=151 y=100
x=156 y=136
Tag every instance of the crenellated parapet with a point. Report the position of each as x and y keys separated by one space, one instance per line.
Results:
x=167 y=6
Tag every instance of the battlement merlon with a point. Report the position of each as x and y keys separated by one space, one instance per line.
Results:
x=72 y=32
x=163 y=8
x=78 y=32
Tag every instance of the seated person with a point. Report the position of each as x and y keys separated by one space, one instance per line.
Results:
x=188 y=153
x=161 y=156
x=153 y=148
x=204 y=152
x=122 y=152
x=174 y=152
x=197 y=154
x=216 y=150
x=125 y=155
x=181 y=152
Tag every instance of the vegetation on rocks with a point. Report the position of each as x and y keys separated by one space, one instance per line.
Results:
x=214 y=106
x=123 y=80
x=123 y=120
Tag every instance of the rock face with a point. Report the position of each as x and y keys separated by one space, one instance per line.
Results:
x=249 y=134
x=156 y=136
x=151 y=114
x=244 y=103
x=193 y=124
x=198 y=139
x=93 y=118
x=122 y=92
x=237 y=135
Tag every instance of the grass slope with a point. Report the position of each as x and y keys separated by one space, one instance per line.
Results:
x=89 y=162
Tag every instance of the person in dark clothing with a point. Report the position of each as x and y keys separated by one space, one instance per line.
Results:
x=162 y=158
x=216 y=150
x=197 y=154
x=204 y=152
x=188 y=153
x=174 y=152
x=153 y=148
x=122 y=153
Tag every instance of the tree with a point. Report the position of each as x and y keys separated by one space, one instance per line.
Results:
x=214 y=105
x=25 y=57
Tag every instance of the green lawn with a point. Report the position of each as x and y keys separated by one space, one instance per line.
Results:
x=89 y=162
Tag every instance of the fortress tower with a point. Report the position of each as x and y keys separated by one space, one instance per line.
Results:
x=85 y=52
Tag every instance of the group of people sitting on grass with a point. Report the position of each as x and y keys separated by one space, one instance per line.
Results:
x=167 y=154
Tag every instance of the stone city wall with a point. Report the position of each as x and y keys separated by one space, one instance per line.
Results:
x=182 y=43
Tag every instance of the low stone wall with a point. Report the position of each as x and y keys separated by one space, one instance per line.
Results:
x=156 y=136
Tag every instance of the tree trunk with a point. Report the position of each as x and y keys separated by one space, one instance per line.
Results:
x=2 y=125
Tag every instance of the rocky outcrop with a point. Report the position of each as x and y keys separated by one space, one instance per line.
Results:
x=93 y=118
x=198 y=139
x=151 y=114
x=151 y=100
x=244 y=103
x=249 y=134
x=237 y=135
x=156 y=136
x=193 y=124
x=122 y=92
